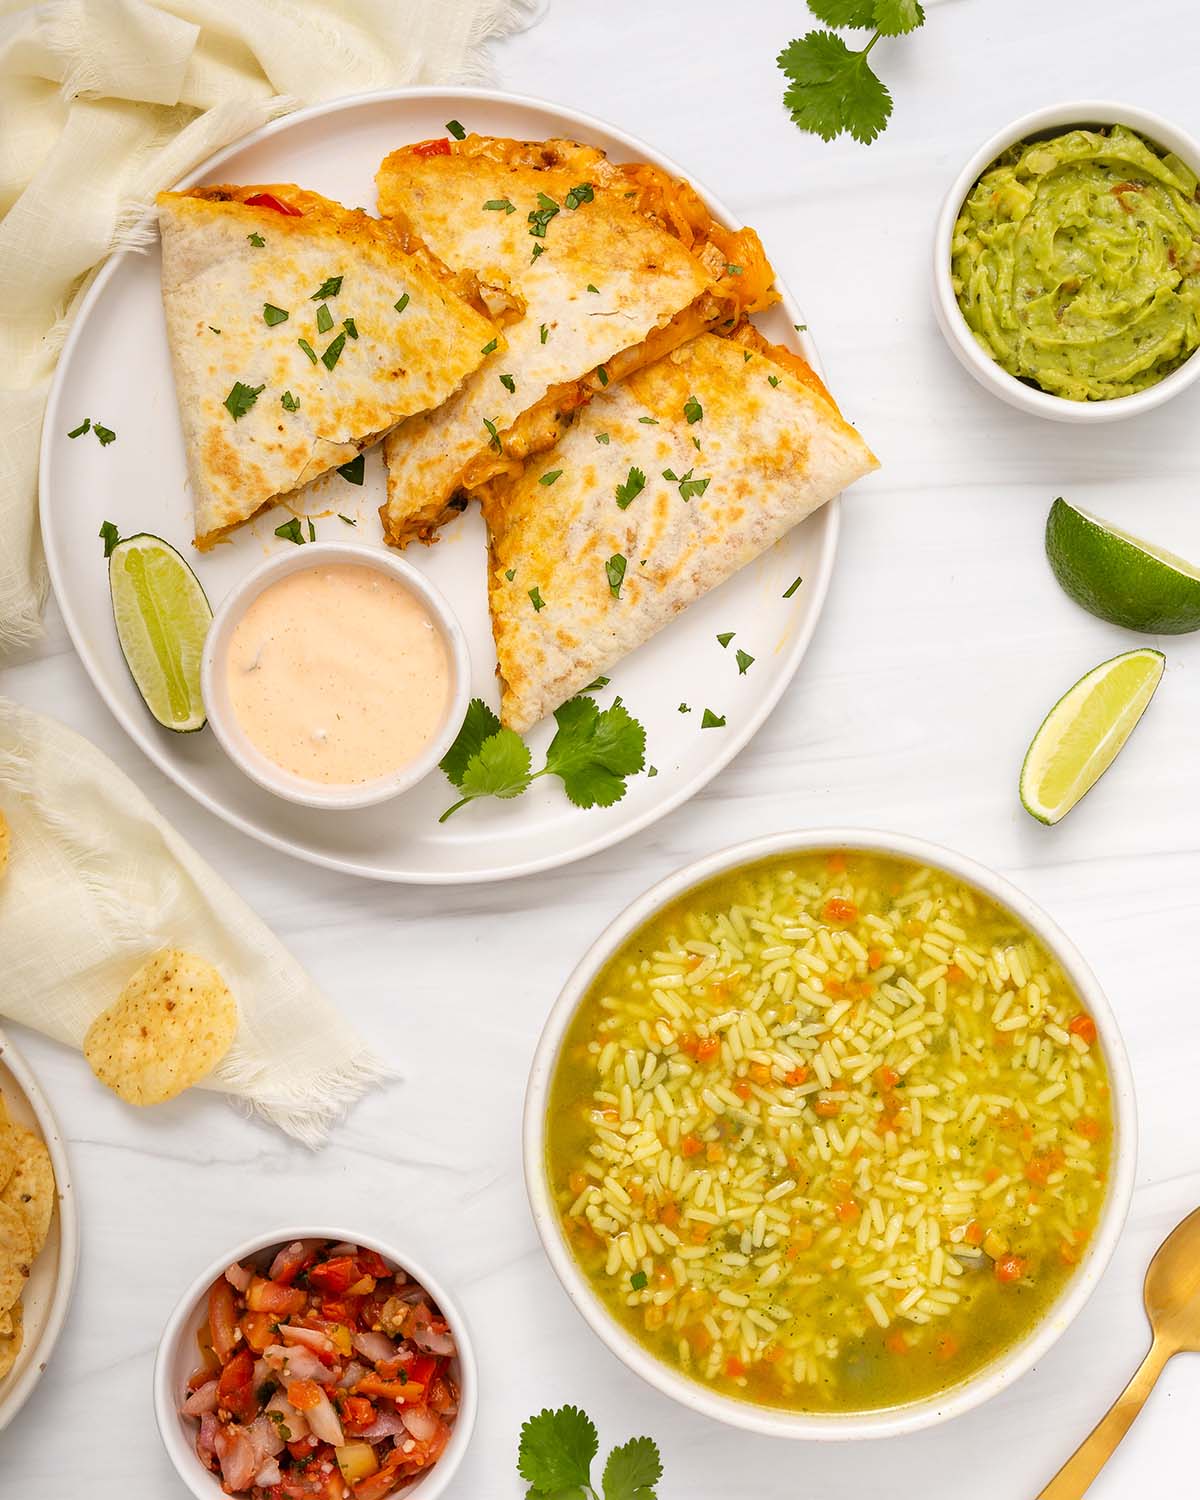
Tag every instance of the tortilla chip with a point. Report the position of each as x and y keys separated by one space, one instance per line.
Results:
x=9 y=1148
x=173 y=1022
x=30 y=1189
x=12 y=1336
x=16 y=1256
x=5 y=844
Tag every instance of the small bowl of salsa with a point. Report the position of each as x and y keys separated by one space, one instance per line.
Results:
x=335 y=675
x=1066 y=262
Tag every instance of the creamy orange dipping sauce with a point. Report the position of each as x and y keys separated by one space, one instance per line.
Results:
x=339 y=674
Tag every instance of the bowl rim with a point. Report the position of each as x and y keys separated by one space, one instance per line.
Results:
x=179 y=1442
x=992 y=1377
x=962 y=341
x=232 y=738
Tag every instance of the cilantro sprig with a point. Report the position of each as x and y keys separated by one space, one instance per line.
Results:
x=593 y=753
x=556 y=1453
x=832 y=89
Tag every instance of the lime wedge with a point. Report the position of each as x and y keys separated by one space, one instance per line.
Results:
x=162 y=616
x=1080 y=736
x=1120 y=578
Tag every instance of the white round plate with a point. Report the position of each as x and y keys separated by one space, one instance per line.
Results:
x=48 y=1291
x=116 y=369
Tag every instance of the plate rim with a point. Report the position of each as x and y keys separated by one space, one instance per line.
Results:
x=55 y=1140
x=158 y=754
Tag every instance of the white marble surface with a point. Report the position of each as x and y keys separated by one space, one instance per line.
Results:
x=944 y=641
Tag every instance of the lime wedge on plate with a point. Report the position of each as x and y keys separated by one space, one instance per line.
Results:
x=1114 y=575
x=162 y=616
x=1082 y=733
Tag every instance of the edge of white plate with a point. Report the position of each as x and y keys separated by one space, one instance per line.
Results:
x=138 y=732
x=68 y=1233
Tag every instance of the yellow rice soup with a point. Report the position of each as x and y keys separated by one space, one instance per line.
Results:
x=830 y=1132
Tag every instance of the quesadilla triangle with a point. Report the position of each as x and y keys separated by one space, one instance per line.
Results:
x=300 y=332
x=596 y=268
x=660 y=490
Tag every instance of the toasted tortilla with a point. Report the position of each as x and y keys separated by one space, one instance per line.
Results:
x=223 y=261
x=772 y=448
x=624 y=265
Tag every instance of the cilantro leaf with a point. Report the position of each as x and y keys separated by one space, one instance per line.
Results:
x=594 y=751
x=83 y=427
x=710 y=720
x=557 y=1448
x=111 y=537
x=333 y=353
x=859 y=15
x=600 y=682
x=501 y=205
x=615 y=570
x=493 y=436
x=539 y=218
x=353 y=471
x=480 y=724
x=725 y=637
x=508 y=383
x=330 y=287
x=289 y=402
x=107 y=435
x=632 y=1470
x=550 y=476
x=792 y=587
x=308 y=349
x=535 y=598
x=240 y=399
x=745 y=661
x=291 y=531
x=499 y=768
x=273 y=314
x=898 y=17
x=256 y=240
x=692 y=410
x=543 y=333
x=582 y=193
x=351 y=327
x=628 y=492
x=602 y=437
x=324 y=319
x=456 y=130
x=833 y=89
x=402 y=303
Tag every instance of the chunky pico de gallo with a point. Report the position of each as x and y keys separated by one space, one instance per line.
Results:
x=325 y=1375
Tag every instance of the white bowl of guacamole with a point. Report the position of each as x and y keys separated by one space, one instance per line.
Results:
x=1066 y=262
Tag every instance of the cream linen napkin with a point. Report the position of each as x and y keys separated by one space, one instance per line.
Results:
x=97 y=881
x=105 y=102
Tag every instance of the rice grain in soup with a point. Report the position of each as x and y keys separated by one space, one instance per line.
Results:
x=830 y=1132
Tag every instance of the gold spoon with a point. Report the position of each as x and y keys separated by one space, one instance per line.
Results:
x=1172 y=1297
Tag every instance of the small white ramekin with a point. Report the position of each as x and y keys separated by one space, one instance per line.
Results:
x=178 y=1356
x=232 y=737
x=971 y=354
x=845 y=1426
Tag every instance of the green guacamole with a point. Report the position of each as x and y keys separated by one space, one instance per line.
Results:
x=1076 y=263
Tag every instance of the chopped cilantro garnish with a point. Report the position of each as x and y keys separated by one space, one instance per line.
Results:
x=687 y=485
x=544 y=333
x=746 y=357
x=710 y=720
x=692 y=409
x=330 y=287
x=772 y=379
x=685 y=708
x=594 y=289
x=351 y=327
x=539 y=217
x=290 y=531
x=537 y=250
x=289 y=402
x=615 y=570
x=324 y=319
x=550 y=476
x=648 y=421
x=312 y=531
x=211 y=329
x=107 y=435
x=238 y=402
x=601 y=374
x=308 y=349
x=651 y=770
x=349 y=520
x=725 y=637
x=800 y=327
x=602 y=437
x=745 y=661
x=403 y=302
x=353 y=471
x=788 y=592
x=733 y=270
x=493 y=437
x=508 y=382
x=595 y=685
x=583 y=193
x=333 y=353
x=256 y=240
x=273 y=314
x=456 y=130
x=501 y=205
x=83 y=427
x=490 y=347
x=110 y=536
x=510 y=574
x=535 y=598
x=638 y=1280
x=628 y=492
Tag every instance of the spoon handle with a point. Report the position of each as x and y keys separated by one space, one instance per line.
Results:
x=1075 y=1476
